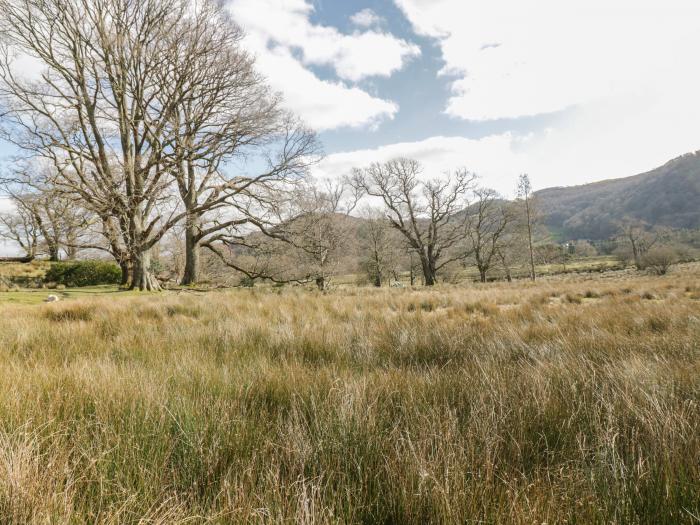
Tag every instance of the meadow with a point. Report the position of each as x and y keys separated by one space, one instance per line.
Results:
x=569 y=400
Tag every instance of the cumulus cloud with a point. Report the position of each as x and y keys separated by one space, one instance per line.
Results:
x=565 y=155
x=354 y=57
x=322 y=104
x=515 y=58
x=619 y=74
x=286 y=43
x=366 y=18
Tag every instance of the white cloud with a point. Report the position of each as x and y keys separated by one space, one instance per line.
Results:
x=354 y=57
x=562 y=156
x=516 y=58
x=322 y=104
x=620 y=72
x=285 y=42
x=494 y=158
x=366 y=18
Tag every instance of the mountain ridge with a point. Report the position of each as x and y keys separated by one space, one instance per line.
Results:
x=665 y=196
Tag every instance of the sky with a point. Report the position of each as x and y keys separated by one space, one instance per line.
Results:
x=568 y=92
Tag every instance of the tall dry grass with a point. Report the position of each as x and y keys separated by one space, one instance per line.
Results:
x=558 y=402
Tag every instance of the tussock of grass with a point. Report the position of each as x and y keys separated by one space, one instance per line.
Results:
x=70 y=312
x=371 y=406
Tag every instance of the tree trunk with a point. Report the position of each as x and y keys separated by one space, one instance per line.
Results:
x=54 y=255
x=532 y=256
x=321 y=283
x=529 y=239
x=191 y=274
x=143 y=279
x=378 y=279
x=482 y=275
x=428 y=271
x=638 y=264
x=70 y=247
x=125 y=267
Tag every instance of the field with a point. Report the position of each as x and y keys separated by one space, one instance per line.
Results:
x=571 y=400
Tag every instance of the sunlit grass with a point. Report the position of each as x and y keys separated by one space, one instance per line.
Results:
x=567 y=400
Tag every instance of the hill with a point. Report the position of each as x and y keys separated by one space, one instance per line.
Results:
x=666 y=196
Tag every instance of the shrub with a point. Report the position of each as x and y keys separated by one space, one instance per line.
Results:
x=83 y=273
x=659 y=260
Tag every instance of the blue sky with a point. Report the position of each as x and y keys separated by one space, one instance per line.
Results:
x=418 y=88
x=569 y=92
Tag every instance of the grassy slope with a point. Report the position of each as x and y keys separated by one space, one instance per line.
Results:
x=525 y=403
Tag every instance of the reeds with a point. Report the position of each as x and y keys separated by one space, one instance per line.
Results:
x=558 y=402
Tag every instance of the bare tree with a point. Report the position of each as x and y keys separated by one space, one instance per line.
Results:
x=58 y=218
x=530 y=216
x=228 y=113
x=425 y=212
x=105 y=110
x=379 y=245
x=640 y=238
x=322 y=232
x=20 y=227
x=134 y=95
x=489 y=218
x=296 y=235
x=504 y=255
x=512 y=249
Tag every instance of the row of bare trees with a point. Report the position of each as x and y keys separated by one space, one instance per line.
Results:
x=392 y=218
x=449 y=220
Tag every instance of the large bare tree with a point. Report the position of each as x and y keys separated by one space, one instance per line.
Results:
x=228 y=116
x=424 y=211
x=100 y=107
x=131 y=97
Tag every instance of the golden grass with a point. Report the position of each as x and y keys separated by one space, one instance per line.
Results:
x=35 y=268
x=565 y=400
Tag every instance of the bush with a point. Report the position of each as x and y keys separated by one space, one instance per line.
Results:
x=83 y=273
x=659 y=260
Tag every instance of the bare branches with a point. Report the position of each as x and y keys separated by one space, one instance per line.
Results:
x=488 y=221
x=426 y=212
x=20 y=227
x=145 y=110
x=530 y=215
